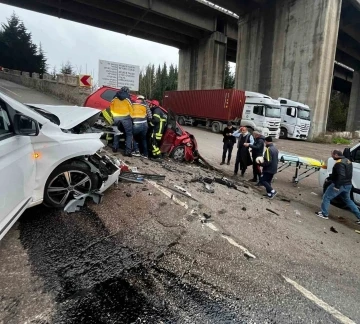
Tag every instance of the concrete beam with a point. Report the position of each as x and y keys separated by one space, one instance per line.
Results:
x=347 y=59
x=239 y=6
x=287 y=48
x=42 y=8
x=202 y=65
x=343 y=74
x=348 y=45
x=353 y=118
x=129 y=24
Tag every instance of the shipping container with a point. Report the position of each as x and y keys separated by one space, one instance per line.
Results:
x=212 y=105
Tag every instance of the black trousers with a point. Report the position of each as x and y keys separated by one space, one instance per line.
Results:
x=256 y=169
x=242 y=161
x=227 y=149
x=265 y=180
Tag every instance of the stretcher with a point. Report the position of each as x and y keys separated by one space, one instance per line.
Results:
x=309 y=166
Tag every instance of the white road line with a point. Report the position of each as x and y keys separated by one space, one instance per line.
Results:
x=10 y=91
x=210 y=225
x=331 y=310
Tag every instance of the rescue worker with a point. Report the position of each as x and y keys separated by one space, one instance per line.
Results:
x=243 y=158
x=158 y=123
x=122 y=110
x=141 y=115
x=229 y=140
x=341 y=178
x=257 y=149
x=270 y=167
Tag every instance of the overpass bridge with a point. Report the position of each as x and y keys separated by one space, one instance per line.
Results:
x=282 y=47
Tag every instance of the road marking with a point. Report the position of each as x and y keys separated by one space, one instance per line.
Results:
x=10 y=91
x=331 y=310
x=210 y=225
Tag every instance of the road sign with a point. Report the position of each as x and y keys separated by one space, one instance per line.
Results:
x=119 y=75
x=85 y=80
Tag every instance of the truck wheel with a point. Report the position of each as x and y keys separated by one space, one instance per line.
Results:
x=178 y=154
x=216 y=127
x=195 y=123
x=181 y=121
x=283 y=133
x=67 y=181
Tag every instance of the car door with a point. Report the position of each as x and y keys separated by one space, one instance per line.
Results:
x=172 y=130
x=17 y=170
x=355 y=154
x=290 y=119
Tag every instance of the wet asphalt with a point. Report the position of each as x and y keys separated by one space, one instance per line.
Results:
x=140 y=258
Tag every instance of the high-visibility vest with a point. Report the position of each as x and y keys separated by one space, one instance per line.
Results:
x=108 y=116
x=121 y=108
x=159 y=123
x=139 y=113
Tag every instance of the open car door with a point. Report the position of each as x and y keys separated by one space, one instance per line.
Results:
x=170 y=133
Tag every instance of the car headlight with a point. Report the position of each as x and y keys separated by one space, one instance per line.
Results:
x=189 y=144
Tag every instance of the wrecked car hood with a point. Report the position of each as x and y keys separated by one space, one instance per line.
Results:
x=69 y=116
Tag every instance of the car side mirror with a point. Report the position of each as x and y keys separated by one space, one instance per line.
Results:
x=347 y=153
x=25 y=126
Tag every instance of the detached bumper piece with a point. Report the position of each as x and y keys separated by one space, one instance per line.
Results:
x=75 y=204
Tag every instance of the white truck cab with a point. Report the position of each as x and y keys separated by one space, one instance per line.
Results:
x=353 y=154
x=295 y=119
x=262 y=113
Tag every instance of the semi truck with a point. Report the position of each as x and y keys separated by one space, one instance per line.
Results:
x=214 y=108
x=295 y=119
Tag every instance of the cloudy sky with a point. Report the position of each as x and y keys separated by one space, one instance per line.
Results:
x=84 y=45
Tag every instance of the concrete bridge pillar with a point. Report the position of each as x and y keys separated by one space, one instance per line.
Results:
x=353 y=118
x=287 y=48
x=202 y=65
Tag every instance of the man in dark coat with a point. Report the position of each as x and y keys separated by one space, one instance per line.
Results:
x=243 y=158
x=257 y=149
x=229 y=140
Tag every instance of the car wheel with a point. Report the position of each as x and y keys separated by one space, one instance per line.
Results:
x=66 y=182
x=215 y=127
x=337 y=202
x=283 y=133
x=181 y=121
x=178 y=154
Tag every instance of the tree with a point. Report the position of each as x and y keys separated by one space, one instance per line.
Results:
x=17 y=51
x=229 y=77
x=67 y=68
x=54 y=73
x=338 y=110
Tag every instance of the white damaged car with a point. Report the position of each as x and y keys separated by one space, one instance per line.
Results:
x=48 y=154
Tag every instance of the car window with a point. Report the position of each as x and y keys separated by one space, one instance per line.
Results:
x=108 y=95
x=259 y=110
x=357 y=156
x=5 y=125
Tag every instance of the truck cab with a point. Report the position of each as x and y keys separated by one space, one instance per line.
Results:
x=262 y=113
x=353 y=154
x=295 y=119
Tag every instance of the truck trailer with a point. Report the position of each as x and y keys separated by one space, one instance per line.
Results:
x=214 y=108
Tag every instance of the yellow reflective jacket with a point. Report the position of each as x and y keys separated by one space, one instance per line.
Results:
x=121 y=108
x=139 y=112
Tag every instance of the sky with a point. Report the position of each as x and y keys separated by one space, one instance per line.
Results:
x=84 y=46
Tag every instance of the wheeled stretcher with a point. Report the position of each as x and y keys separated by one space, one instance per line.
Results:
x=304 y=166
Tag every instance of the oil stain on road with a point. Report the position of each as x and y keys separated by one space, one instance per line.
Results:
x=94 y=277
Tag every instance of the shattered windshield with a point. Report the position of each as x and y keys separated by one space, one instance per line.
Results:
x=304 y=113
x=273 y=111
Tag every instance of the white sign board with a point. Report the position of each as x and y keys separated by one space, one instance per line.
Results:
x=119 y=75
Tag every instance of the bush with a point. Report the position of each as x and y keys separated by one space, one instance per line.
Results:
x=340 y=140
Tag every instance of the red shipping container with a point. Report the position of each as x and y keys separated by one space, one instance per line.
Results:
x=219 y=105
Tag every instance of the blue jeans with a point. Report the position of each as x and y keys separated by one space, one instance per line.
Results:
x=265 y=180
x=128 y=128
x=344 y=193
x=140 y=131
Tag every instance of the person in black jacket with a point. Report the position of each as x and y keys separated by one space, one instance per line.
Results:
x=257 y=149
x=270 y=167
x=341 y=178
x=243 y=158
x=229 y=140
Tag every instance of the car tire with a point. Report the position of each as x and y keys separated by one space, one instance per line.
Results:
x=178 y=154
x=283 y=133
x=216 y=127
x=181 y=121
x=67 y=181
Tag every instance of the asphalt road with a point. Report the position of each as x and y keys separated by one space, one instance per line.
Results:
x=141 y=257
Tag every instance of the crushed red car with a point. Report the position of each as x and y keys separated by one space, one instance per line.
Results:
x=176 y=142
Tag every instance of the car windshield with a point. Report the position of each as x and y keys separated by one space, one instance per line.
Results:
x=53 y=118
x=304 y=114
x=273 y=111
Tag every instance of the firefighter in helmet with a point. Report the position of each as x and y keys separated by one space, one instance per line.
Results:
x=158 y=124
